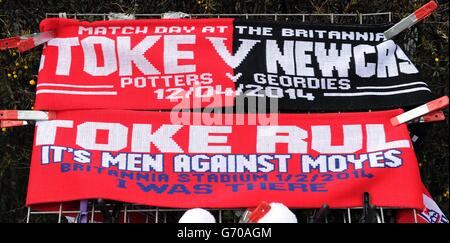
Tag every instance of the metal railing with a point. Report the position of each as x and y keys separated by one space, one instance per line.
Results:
x=131 y=213
x=385 y=17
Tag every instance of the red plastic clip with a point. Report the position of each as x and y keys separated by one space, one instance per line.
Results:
x=8 y=123
x=26 y=45
x=259 y=212
x=26 y=42
x=425 y=10
x=252 y=216
x=11 y=118
x=423 y=113
x=411 y=20
x=8 y=43
x=433 y=117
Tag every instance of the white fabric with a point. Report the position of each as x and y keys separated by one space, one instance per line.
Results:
x=197 y=215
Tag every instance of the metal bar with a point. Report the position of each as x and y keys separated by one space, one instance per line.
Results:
x=127 y=210
x=60 y=213
x=28 y=215
x=349 y=216
x=275 y=15
x=145 y=210
x=125 y=214
x=237 y=15
x=298 y=14
x=83 y=211
x=415 y=215
x=320 y=215
x=56 y=212
x=93 y=212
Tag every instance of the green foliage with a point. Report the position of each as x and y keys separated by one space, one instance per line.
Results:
x=427 y=45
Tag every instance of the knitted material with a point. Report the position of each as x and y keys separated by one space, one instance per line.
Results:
x=152 y=158
x=184 y=63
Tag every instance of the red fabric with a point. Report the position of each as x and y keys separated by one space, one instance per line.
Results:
x=429 y=212
x=389 y=186
x=206 y=79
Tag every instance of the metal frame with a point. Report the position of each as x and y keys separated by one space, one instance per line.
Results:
x=160 y=214
x=275 y=16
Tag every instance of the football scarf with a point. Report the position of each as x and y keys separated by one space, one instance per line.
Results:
x=190 y=63
x=224 y=160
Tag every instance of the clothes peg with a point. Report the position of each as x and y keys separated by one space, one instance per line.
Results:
x=109 y=217
x=26 y=42
x=9 y=123
x=369 y=210
x=12 y=118
x=432 y=117
x=9 y=43
x=411 y=20
x=252 y=216
x=424 y=113
x=319 y=216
